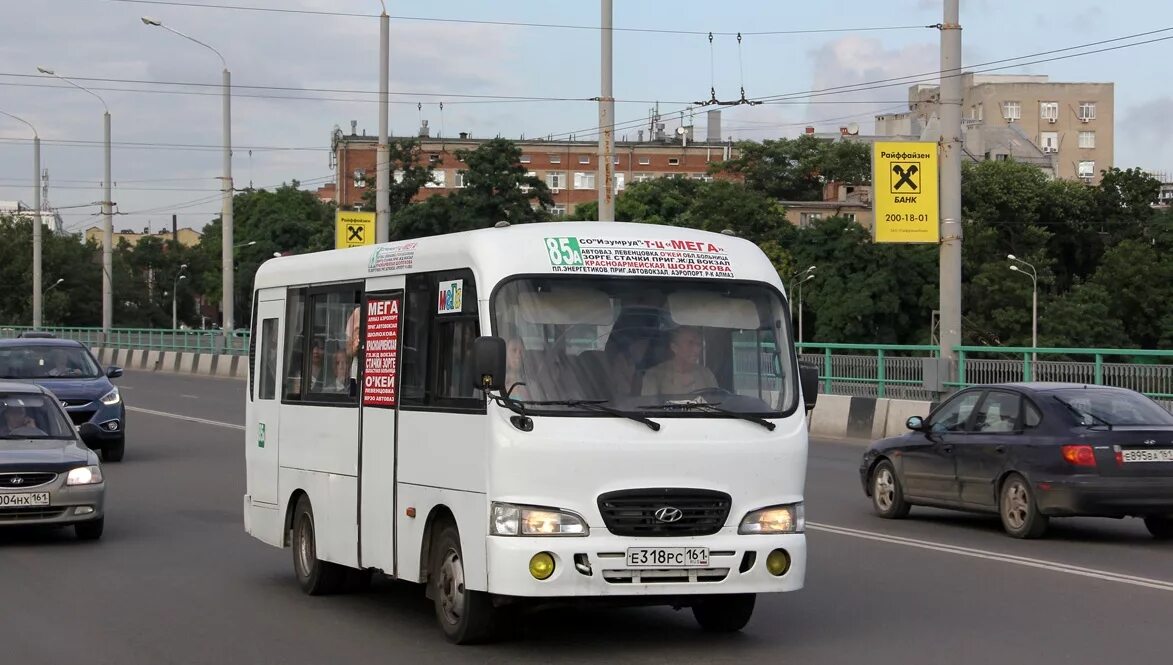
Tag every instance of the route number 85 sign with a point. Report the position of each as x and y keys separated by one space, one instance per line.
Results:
x=564 y=251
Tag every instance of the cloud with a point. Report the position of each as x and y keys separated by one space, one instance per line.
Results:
x=856 y=61
x=1147 y=142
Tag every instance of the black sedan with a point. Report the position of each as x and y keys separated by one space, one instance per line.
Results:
x=1030 y=452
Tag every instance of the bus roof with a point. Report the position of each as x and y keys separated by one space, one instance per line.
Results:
x=617 y=249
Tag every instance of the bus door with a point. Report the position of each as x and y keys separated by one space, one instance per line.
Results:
x=379 y=370
x=263 y=438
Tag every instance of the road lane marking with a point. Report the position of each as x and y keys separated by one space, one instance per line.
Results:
x=191 y=396
x=1053 y=566
x=193 y=419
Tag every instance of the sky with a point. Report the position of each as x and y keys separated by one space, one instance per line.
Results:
x=279 y=135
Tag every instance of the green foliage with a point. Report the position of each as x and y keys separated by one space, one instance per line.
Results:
x=415 y=172
x=795 y=169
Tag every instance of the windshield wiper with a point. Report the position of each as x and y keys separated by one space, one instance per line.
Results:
x=597 y=405
x=713 y=408
x=1079 y=413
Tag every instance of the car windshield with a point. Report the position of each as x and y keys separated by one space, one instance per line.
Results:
x=32 y=416
x=47 y=362
x=1114 y=407
x=646 y=346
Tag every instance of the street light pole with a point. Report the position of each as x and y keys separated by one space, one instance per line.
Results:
x=606 y=170
x=175 y=295
x=107 y=214
x=383 y=149
x=38 y=228
x=227 y=299
x=1034 y=303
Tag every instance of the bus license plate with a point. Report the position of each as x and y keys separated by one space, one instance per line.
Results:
x=1157 y=455
x=23 y=500
x=667 y=557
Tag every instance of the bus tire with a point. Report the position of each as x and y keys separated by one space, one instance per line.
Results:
x=725 y=613
x=316 y=577
x=465 y=616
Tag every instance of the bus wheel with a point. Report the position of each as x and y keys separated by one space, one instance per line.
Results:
x=316 y=577
x=466 y=616
x=724 y=614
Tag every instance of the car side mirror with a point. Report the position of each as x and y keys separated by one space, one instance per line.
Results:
x=915 y=423
x=113 y=372
x=809 y=379
x=489 y=361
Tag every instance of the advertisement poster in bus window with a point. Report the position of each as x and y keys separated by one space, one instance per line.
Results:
x=380 y=380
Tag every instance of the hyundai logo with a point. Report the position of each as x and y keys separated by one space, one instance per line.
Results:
x=16 y=480
x=668 y=514
x=1150 y=442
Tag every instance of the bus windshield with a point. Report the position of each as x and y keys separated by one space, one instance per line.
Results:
x=655 y=347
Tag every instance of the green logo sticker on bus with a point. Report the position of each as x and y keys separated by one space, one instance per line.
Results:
x=564 y=251
x=260 y=435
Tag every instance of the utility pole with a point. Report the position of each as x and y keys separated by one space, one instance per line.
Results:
x=227 y=258
x=107 y=240
x=383 y=152
x=950 y=109
x=606 y=123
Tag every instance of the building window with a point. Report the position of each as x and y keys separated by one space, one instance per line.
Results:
x=1049 y=110
x=555 y=180
x=555 y=159
x=616 y=160
x=1049 y=141
x=584 y=159
x=673 y=161
x=643 y=177
x=1087 y=111
x=438 y=181
x=1087 y=139
x=807 y=218
x=1012 y=111
x=1087 y=169
x=584 y=180
x=397 y=176
x=619 y=182
x=525 y=159
x=459 y=180
x=528 y=174
x=559 y=210
x=434 y=158
x=849 y=216
x=645 y=160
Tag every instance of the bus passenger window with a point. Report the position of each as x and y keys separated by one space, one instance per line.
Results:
x=417 y=318
x=294 y=339
x=455 y=370
x=333 y=349
x=268 y=373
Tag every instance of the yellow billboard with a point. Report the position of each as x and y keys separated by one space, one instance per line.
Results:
x=353 y=229
x=905 y=185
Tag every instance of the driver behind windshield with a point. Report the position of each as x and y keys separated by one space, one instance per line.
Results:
x=60 y=364
x=683 y=373
x=17 y=423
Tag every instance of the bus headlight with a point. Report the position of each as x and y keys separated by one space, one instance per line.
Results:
x=790 y=518
x=513 y=520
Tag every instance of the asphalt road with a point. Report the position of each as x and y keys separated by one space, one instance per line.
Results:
x=176 y=580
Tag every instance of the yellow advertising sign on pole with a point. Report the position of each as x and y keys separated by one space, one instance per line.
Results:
x=353 y=229
x=904 y=187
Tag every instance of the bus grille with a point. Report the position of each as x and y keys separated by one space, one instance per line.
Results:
x=634 y=512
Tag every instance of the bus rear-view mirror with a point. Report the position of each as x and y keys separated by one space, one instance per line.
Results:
x=809 y=378
x=489 y=361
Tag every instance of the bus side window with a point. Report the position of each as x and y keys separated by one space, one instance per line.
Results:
x=416 y=325
x=268 y=360
x=294 y=341
x=454 y=366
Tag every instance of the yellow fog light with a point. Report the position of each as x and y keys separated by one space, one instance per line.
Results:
x=778 y=562
x=541 y=566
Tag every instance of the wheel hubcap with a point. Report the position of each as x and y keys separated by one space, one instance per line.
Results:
x=884 y=489
x=1016 y=505
x=305 y=545
x=451 y=587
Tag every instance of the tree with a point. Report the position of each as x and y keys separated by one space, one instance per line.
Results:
x=409 y=171
x=1082 y=317
x=796 y=169
x=1140 y=281
x=77 y=301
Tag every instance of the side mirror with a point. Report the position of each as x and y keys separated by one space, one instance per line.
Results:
x=809 y=378
x=915 y=423
x=113 y=372
x=489 y=362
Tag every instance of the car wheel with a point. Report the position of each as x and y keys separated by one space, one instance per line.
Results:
x=887 y=494
x=114 y=450
x=465 y=616
x=724 y=614
x=316 y=577
x=91 y=530
x=1020 y=514
x=1160 y=527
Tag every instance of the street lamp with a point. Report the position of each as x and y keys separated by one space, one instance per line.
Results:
x=227 y=296
x=1034 y=304
x=55 y=284
x=802 y=281
x=245 y=244
x=175 y=295
x=796 y=281
x=38 y=309
x=107 y=215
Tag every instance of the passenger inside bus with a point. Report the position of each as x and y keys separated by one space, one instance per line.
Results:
x=683 y=373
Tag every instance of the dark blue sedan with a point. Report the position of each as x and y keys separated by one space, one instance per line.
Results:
x=1029 y=452
x=68 y=370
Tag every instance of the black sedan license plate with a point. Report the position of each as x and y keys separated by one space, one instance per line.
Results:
x=667 y=557
x=23 y=499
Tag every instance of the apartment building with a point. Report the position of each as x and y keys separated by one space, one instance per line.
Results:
x=1073 y=123
x=185 y=236
x=568 y=167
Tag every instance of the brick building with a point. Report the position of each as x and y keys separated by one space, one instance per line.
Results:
x=569 y=168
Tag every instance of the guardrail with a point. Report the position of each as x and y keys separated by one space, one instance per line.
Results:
x=152 y=339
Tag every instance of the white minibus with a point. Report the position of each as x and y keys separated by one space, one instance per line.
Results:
x=532 y=413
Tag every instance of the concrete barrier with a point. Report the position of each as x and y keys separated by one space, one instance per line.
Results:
x=152 y=359
x=830 y=416
x=168 y=362
x=205 y=364
x=900 y=410
x=187 y=363
x=226 y=366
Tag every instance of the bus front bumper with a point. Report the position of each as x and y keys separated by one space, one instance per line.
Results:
x=597 y=565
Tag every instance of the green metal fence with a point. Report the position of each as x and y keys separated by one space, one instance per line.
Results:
x=193 y=341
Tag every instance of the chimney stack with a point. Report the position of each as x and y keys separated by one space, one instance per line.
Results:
x=714 y=133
